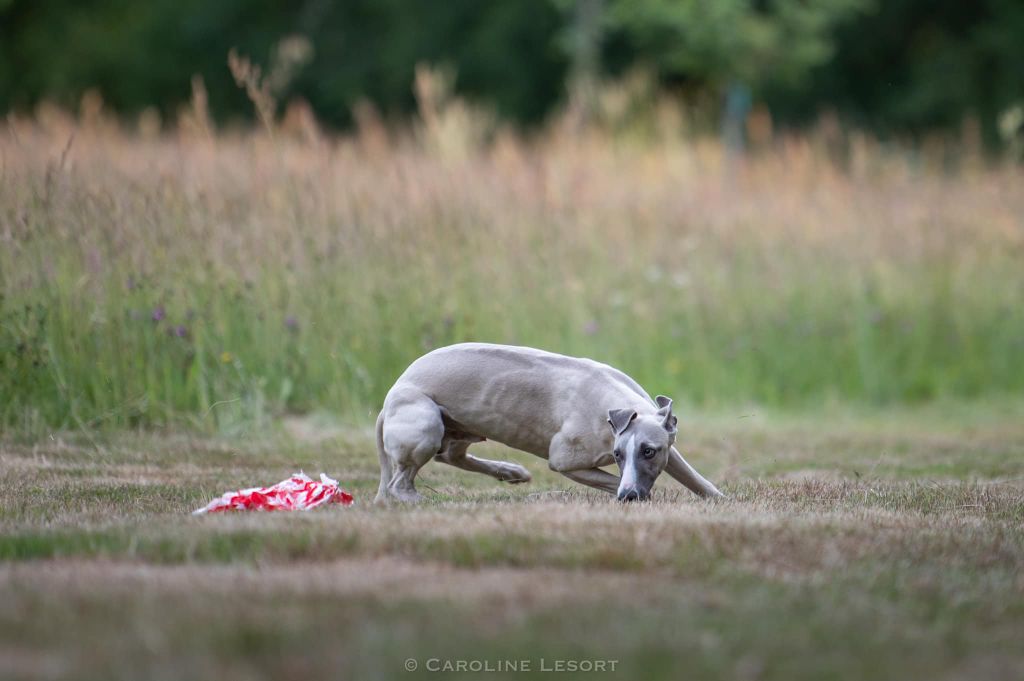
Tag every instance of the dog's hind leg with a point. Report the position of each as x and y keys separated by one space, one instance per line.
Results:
x=504 y=471
x=412 y=433
x=453 y=452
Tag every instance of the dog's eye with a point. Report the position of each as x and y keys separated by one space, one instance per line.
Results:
x=617 y=454
x=648 y=452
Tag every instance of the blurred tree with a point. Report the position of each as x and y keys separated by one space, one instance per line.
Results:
x=902 y=65
x=758 y=42
x=582 y=42
x=144 y=53
x=502 y=53
x=915 y=65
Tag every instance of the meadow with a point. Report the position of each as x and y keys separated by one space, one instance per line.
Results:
x=187 y=310
x=870 y=547
x=219 y=280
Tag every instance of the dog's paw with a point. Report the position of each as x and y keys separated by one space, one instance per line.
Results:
x=515 y=474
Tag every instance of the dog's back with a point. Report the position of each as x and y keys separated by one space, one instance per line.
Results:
x=517 y=395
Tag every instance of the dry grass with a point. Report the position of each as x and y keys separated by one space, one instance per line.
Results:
x=221 y=279
x=834 y=556
x=231 y=282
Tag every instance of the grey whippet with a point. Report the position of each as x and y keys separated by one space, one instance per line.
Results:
x=556 y=407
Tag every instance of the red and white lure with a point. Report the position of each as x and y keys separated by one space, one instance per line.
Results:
x=298 y=493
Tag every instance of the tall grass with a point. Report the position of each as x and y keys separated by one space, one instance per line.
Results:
x=217 y=280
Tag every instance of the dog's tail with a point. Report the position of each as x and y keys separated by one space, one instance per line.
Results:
x=385 y=461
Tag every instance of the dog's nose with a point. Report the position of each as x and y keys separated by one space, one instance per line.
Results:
x=629 y=495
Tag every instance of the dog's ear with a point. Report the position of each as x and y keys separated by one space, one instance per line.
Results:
x=668 y=419
x=619 y=419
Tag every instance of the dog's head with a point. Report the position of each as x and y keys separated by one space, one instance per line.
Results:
x=641 y=448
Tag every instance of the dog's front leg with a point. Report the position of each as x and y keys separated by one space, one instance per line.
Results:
x=594 y=477
x=567 y=457
x=682 y=471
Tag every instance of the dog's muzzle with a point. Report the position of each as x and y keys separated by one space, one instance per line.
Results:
x=633 y=494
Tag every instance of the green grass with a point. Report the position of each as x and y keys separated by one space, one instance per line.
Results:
x=221 y=283
x=266 y=294
x=883 y=545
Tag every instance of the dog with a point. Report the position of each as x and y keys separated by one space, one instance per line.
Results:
x=578 y=414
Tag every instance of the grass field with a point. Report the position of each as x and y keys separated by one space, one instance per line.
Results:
x=217 y=281
x=188 y=311
x=882 y=546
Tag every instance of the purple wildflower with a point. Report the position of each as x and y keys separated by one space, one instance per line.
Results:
x=291 y=323
x=180 y=331
x=158 y=313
